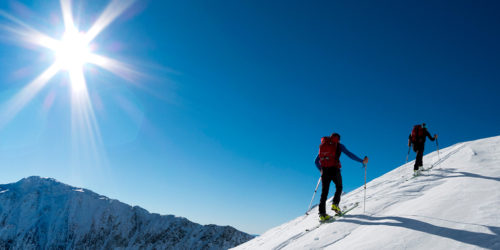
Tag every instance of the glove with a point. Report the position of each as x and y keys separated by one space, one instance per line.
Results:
x=365 y=160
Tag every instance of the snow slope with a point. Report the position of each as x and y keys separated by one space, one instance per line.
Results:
x=453 y=205
x=42 y=213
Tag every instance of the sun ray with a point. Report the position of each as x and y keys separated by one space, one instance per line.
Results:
x=29 y=34
x=112 y=11
x=67 y=14
x=20 y=100
x=84 y=127
x=118 y=68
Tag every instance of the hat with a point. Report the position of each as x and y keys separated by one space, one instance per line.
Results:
x=335 y=135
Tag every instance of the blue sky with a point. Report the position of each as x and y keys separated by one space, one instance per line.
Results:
x=224 y=119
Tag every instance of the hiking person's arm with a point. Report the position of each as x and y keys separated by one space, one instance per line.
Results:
x=316 y=162
x=429 y=135
x=351 y=155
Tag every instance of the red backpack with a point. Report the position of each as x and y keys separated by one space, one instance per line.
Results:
x=329 y=152
x=417 y=134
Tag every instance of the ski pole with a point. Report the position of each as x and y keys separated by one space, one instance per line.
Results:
x=409 y=147
x=317 y=185
x=437 y=146
x=364 y=204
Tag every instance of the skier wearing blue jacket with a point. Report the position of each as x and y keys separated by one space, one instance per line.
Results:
x=328 y=163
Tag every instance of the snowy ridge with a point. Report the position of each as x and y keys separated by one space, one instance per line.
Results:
x=453 y=205
x=42 y=213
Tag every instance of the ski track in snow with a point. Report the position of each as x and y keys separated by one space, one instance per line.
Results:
x=287 y=242
x=453 y=204
x=337 y=240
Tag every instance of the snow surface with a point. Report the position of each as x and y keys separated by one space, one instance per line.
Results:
x=453 y=205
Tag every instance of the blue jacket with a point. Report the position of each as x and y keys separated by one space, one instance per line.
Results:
x=344 y=150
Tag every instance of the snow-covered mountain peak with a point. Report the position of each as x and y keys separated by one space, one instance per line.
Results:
x=37 y=181
x=50 y=187
x=43 y=213
x=453 y=205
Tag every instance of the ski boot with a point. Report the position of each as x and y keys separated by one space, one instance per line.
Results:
x=416 y=172
x=336 y=208
x=324 y=217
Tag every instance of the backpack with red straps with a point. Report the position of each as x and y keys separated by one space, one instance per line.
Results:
x=329 y=151
x=417 y=134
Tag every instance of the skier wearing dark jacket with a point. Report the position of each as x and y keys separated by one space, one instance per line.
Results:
x=330 y=171
x=418 y=141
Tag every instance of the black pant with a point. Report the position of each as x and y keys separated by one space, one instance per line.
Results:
x=419 y=149
x=330 y=174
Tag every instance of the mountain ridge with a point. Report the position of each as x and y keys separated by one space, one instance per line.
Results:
x=43 y=213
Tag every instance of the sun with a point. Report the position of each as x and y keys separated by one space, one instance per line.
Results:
x=73 y=52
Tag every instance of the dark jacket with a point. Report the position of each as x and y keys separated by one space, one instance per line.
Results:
x=422 y=139
x=420 y=143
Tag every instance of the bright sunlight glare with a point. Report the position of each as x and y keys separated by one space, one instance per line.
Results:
x=73 y=52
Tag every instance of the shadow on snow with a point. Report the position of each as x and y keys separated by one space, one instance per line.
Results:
x=451 y=173
x=474 y=238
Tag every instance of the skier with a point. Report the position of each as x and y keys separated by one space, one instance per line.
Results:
x=328 y=163
x=417 y=138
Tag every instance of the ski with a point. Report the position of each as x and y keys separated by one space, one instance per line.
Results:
x=419 y=173
x=413 y=176
x=335 y=217
x=347 y=210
